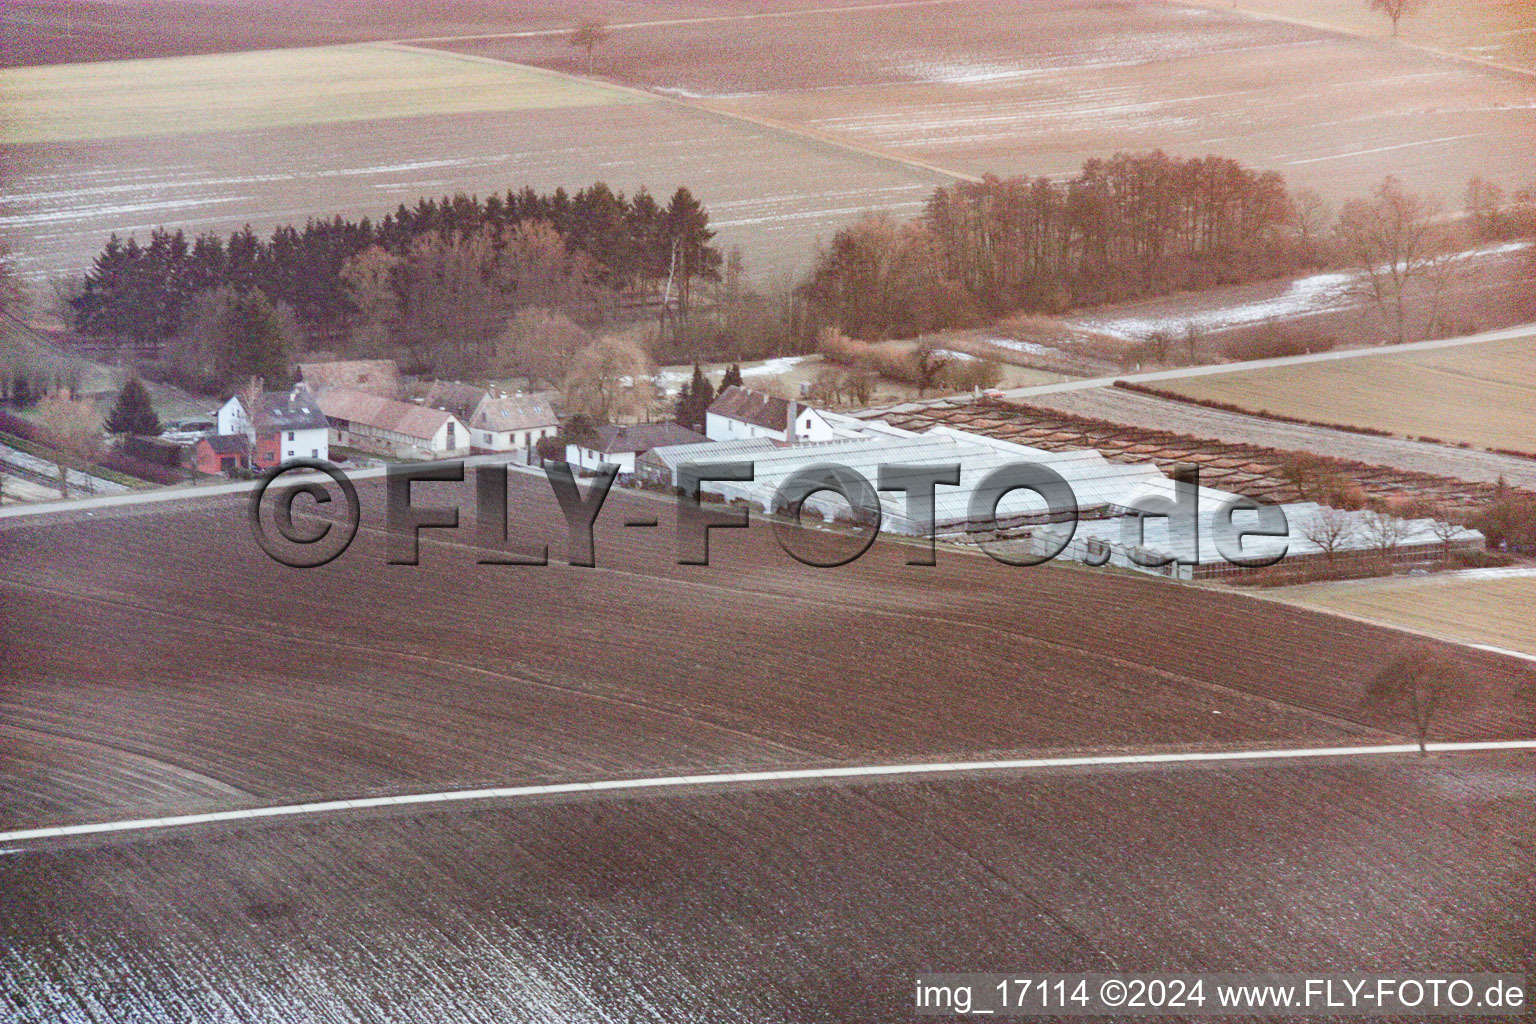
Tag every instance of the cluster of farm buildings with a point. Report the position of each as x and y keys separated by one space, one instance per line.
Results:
x=1122 y=513
x=361 y=406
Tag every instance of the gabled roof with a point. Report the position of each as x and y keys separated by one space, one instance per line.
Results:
x=384 y=413
x=296 y=409
x=514 y=412
x=482 y=410
x=375 y=376
x=748 y=406
x=642 y=437
x=460 y=399
x=226 y=444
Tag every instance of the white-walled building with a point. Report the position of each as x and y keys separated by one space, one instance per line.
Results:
x=232 y=417
x=387 y=427
x=622 y=445
x=740 y=413
x=496 y=421
x=286 y=425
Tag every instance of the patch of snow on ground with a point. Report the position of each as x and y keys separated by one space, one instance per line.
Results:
x=690 y=94
x=1027 y=347
x=1306 y=296
x=783 y=364
x=1513 y=572
x=1319 y=293
x=672 y=380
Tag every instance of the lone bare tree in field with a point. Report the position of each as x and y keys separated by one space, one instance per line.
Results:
x=1395 y=9
x=1417 y=683
x=1393 y=240
x=590 y=33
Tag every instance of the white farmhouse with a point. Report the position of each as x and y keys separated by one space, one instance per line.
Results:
x=497 y=422
x=286 y=425
x=740 y=413
x=621 y=445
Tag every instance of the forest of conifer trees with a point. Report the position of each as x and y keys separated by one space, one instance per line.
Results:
x=606 y=244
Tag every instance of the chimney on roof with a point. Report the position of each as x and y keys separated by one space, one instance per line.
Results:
x=791 y=413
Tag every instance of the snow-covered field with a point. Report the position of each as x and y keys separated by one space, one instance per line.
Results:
x=671 y=378
x=1330 y=112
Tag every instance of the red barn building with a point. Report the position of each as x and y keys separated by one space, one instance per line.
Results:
x=222 y=453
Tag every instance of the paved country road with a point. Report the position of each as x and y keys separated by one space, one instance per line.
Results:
x=1154 y=413
x=737 y=779
x=1180 y=373
x=1034 y=391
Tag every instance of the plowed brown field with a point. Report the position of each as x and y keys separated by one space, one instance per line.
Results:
x=816 y=904
x=155 y=659
x=1037 y=86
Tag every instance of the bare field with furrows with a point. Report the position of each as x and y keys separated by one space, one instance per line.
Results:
x=1500 y=31
x=1482 y=394
x=771 y=194
x=1024 y=87
x=167 y=664
x=273 y=89
x=62 y=31
x=803 y=904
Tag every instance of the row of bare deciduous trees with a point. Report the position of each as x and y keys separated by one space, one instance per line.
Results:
x=1145 y=224
x=1131 y=225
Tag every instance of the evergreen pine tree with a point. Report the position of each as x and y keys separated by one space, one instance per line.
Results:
x=683 y=410
x=695 y=399
x=244 y=337
x=688 y=230
x=134 y=413
x=703 y=390
x=732 y=377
